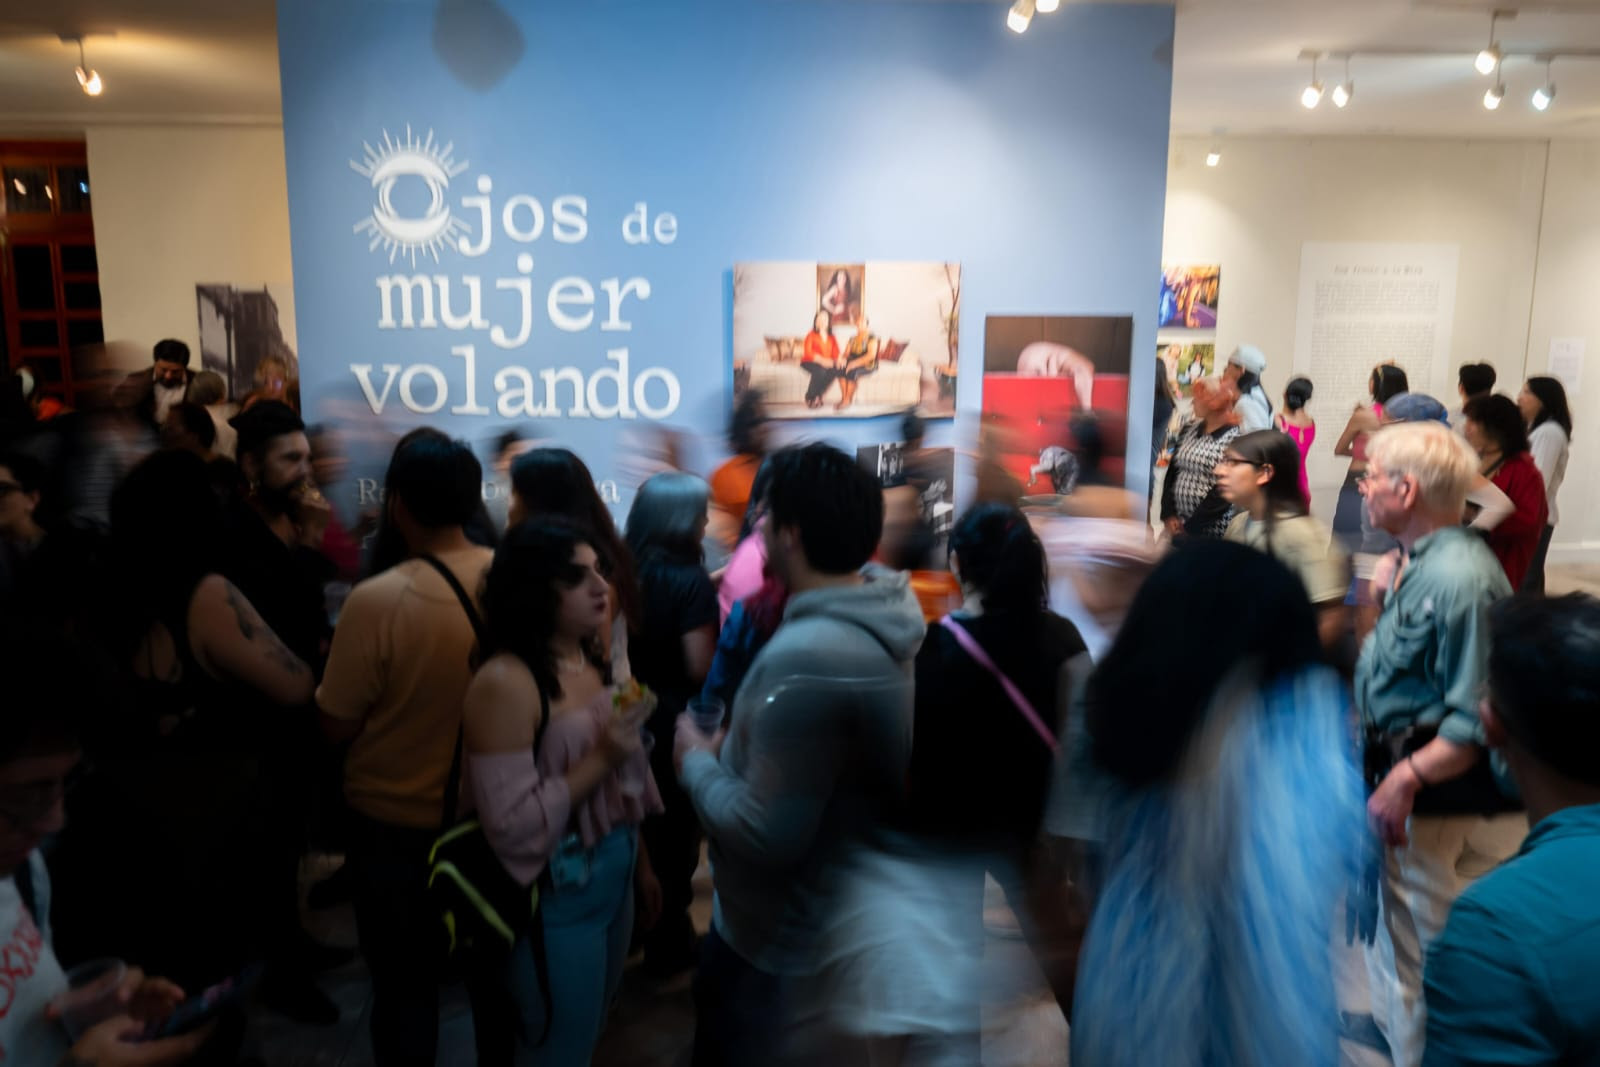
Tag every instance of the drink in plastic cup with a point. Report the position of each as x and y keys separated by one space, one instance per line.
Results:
x=637 y=770
x=91 y=995
x=706 y=713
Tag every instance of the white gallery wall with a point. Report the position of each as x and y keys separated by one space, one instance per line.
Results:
x=1529 y=251
x=180 y=205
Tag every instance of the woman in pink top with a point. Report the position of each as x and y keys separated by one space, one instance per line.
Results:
x=1349 y=518
x=1297 y=422
x=560 y=782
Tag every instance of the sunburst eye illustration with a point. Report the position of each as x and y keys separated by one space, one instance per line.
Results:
x=394 y=161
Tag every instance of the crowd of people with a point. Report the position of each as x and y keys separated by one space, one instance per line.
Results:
x=520 y=734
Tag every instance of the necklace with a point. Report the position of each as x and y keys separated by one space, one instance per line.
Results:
x=572 y=666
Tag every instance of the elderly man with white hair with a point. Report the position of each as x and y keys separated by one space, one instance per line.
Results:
x=1442 y=814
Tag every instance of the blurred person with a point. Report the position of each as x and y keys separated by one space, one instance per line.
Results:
x=272 y=381
x=1350 y=522
x=555 y=483
x=21 y=484
x=1511 y=979
x=745 y=632
x=190 y=428
x=393 y=689
x=1494 y=428
x=1258 y=475
x=1165 y=405
x=341 y=544
x=150 y=394
x=1191 y=504
x=1472 y=381
x=996 y=484
x=1231 y=815
x=812 y=770
x=1543 y=403
x=749 y=438
x=508 y=445
x=48 y=691
x=545 y=759
x=1297 y=422
x=210 y=390
x=672 y=648
x=177 y=791
x=1439 y=812
x=746 y=569
x=992 y=685
x=1245 y=367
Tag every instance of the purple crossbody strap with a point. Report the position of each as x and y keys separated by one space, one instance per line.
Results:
x=975 y=650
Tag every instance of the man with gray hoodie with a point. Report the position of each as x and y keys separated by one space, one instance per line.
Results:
x=814 y=762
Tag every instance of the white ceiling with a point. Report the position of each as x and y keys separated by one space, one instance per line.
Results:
x=1235 y=65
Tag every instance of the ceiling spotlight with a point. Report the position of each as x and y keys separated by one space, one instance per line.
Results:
x=1489 y=58
x=1344 y=90
x=1214 y=157
x=1546 y=93
x=1311 y=95
x=88 y=79
x=1046 y=7
x=1496 y=93
x=1020 y=15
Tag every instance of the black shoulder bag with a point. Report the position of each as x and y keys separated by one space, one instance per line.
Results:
x=482 y=908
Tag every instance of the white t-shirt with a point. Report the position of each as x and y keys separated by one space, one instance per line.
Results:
x=1548 y=444
x=30 y=977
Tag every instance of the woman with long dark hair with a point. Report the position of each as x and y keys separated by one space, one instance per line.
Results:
x=1258 y=475
x=820 y=358
x=559 y=782
x=991 y=687
x=1494 y=427
x=553 y=483
x=673 y=646
x=1230 y=825
x=1543 y=403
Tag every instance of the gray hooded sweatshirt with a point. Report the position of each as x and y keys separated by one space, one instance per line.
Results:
x=812 y=769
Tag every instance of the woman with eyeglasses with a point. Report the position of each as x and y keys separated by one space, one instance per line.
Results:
x=1259 y=474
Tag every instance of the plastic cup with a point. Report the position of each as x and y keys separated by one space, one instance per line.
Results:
x=91 y=995
x=706 y=713
x=637 y=770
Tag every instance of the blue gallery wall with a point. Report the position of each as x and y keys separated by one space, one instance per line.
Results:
x=769 y=130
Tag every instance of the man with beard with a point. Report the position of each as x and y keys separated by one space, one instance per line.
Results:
x=274 y=559
x=151 y=394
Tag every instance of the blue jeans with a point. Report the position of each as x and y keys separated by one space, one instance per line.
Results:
x=586 y=933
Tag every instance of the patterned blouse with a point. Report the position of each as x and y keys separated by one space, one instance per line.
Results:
x=1190 y=492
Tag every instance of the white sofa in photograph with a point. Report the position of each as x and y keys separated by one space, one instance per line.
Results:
x=775 y=370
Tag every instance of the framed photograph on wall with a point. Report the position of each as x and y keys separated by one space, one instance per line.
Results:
x=1056 y=386
x=1189 y=297
x=841 y=291
x=898 y=350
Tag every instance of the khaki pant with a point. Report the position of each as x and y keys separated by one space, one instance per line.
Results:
x=1421 y=881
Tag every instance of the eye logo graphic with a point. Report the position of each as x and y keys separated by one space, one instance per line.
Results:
x=435 y=228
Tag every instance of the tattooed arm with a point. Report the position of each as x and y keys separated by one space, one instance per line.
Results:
x=231 y=640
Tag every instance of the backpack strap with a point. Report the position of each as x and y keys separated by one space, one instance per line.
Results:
x=452 y=786
x=23 y=877
x=970 y=645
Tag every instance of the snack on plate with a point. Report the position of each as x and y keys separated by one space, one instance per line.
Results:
x=627 y=694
